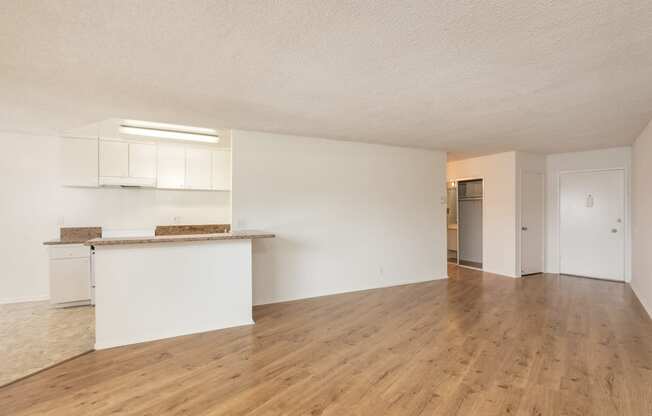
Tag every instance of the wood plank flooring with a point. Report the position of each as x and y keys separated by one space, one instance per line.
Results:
x=476 y=344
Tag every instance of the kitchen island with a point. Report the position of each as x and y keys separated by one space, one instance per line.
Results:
x=155 y=287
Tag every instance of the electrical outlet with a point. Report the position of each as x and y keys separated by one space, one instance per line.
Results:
x=176 y=220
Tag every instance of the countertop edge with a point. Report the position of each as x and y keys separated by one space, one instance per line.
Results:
x=58 y=242
x=242 y=235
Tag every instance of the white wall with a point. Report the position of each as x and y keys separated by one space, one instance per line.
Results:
x=33 y=205
x=348 y=216
x=499 y=208
x=642 y=218
x=619 y=157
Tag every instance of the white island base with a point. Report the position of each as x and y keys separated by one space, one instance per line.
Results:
x=146 y=292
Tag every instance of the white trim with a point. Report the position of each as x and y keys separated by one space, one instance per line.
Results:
x=24 y=299
x=626 y=196
x=469 y=267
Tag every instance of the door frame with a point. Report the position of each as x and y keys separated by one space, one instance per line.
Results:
x=484 y=219
x=625 y=215
x=543 y=221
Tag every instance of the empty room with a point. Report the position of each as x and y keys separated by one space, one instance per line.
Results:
x=325 y=208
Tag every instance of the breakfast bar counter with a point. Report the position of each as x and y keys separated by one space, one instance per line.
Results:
x=149 y=288
x=234 y=235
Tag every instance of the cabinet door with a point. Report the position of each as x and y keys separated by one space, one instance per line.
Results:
x=198 y=168
x=171 y=170
x=222 y=170
x=79 y=161
x=142 y=160
x=70 y=280
x=114 y=159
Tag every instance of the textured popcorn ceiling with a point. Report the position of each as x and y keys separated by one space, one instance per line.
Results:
x=466 y=76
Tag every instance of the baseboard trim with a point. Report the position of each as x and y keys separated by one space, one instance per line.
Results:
x=24 y=299
x=643 y=301
x=407 y=282
x=103 y=344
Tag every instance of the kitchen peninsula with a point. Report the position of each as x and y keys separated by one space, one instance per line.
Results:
x=154 y=287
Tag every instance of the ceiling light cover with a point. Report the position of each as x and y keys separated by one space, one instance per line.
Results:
x=166 y=126
x=171 y=134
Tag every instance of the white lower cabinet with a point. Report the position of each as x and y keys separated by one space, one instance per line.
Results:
x=70 y=275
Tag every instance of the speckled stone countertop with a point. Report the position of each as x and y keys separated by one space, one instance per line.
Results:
x=75 y=235
x=234 y=235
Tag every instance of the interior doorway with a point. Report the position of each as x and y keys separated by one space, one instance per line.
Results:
x=464 y=222
x=469 y=220
x=592 y=224
x=451 y=221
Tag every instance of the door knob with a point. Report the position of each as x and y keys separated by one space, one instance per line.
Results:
x=614 y=230
x=524 y=228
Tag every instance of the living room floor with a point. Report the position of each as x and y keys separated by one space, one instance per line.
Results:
x=475 y=344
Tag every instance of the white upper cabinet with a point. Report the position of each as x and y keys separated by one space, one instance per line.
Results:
x=114 y=159
x=142 y=161
x=131 y=164
x=222 y=170
x=199 y=163
x=79 y=161
x=171 y=167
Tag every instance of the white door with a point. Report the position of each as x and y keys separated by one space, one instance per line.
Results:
x=592 y=224
x=532 y=206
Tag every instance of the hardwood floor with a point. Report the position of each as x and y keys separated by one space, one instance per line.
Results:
x=476 y=344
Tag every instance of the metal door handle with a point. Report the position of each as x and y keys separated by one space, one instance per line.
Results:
x=614 y=230
x=524 y=228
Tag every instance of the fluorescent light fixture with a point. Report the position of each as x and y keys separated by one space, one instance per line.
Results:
x=166 y=126
x=169 y=131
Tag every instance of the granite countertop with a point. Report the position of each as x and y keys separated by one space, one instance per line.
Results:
x=75 y=235
x=234 y=235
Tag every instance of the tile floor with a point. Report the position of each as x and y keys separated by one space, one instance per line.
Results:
x=34 y=336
